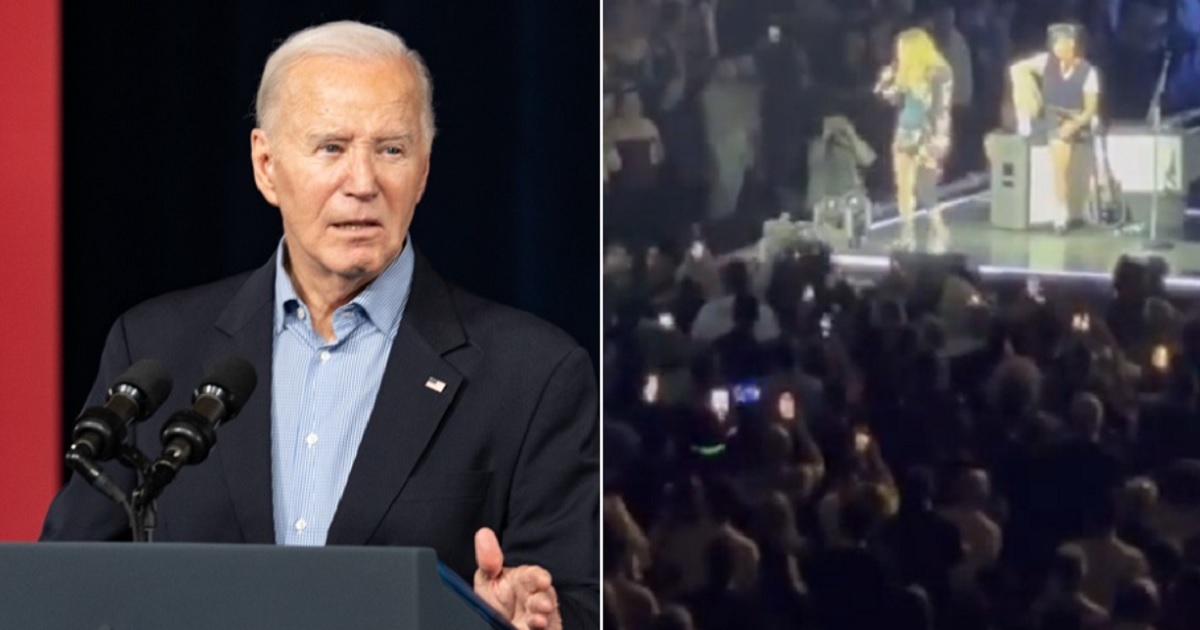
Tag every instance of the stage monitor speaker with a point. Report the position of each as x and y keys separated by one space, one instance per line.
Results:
x=1010 y=181
x=1131 y=155
x=1022 y=184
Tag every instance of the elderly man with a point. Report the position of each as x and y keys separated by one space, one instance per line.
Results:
x=1069 y=101
x=393 y=408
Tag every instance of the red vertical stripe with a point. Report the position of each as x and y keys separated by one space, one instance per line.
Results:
x=29 y=264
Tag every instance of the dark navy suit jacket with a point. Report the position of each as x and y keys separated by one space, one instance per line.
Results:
x=511 y=443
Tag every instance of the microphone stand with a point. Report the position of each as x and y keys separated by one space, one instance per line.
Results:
x=144 y=513
x=141 y=521
x=1154 y=243
x=142 y=517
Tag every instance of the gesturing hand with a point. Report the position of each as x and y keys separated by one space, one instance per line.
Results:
x=931 y=162
x=524 y=595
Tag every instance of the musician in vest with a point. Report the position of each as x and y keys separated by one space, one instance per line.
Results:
x=1065 y=108
x=920 y=83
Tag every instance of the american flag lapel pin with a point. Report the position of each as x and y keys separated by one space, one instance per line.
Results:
x=435 y=385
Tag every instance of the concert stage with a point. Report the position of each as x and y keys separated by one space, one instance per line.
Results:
x=1144 y=163
x=1087 y=253
x=1014 y=239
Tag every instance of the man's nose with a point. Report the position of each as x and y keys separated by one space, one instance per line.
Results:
x=360 y=178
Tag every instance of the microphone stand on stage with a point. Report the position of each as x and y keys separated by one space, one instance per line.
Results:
x=1154 y=243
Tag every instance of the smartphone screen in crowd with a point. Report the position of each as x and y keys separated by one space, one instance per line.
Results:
x=698 y=250
x=862 y=440
x=826 y=325
x=1160 y=358
x=718 y=401
x=650 y=389
x=666 y=320
x=747 y=393
x=1033 y=287
x=774 y=34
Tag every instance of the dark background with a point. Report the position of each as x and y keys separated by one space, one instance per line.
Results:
x=158 y=189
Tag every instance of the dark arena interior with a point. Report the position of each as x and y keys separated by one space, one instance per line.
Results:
x=813 y=422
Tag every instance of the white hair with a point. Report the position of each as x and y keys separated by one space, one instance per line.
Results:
x=346 y=39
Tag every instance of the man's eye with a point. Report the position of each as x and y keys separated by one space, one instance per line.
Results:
x=393 y=151
x=331 y=148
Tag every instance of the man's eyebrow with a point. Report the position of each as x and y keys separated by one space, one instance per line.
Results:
x=337 y=136
x=332 y=136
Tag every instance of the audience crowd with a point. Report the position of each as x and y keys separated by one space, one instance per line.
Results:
x=784 y=449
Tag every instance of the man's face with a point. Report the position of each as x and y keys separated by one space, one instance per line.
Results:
x=1064 y=49
x=345 y=162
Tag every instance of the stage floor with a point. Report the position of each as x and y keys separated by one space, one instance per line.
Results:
x=1085 y=253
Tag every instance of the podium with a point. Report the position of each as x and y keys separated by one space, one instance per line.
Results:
x=122 y=586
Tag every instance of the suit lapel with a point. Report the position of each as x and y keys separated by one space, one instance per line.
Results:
x=244 y=444
x=405 y=418
x=408 y=409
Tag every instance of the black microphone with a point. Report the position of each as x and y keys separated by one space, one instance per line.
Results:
x=91 y=472
x=139 y=392
x=190 y=434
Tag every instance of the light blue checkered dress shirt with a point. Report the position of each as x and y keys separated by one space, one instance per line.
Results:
x=322 y=394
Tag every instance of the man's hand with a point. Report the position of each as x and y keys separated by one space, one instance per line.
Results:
x=524 y=595
x=1074 y=125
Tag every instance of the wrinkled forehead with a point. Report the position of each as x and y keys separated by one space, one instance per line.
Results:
x=330 y=86
x=385 y=74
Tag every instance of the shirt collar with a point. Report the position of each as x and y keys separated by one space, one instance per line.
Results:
x=383 y=300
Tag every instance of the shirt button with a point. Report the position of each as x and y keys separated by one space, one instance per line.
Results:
x=301 y=314
x=325 y=356
x=311 y=440
x=301 y=525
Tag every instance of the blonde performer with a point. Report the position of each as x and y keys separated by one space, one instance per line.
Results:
x=919 y=82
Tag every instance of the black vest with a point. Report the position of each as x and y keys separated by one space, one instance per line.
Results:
x=1064 y=92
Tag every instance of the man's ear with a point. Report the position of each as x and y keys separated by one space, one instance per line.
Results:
x=263 y=161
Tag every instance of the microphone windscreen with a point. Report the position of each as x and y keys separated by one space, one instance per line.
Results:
x=152 y=379
x=234 y=375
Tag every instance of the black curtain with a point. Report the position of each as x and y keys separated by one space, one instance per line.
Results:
x=158 y=190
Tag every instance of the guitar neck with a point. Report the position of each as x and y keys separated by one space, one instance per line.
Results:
x=1063 y=112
